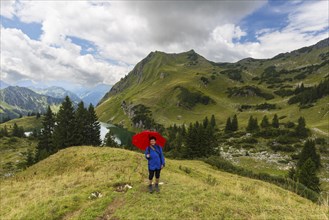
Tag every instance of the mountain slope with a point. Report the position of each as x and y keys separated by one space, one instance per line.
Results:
x=181 y=88
x=59 y=187
x=20 y=100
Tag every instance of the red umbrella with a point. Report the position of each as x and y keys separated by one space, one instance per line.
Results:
x=141 y=140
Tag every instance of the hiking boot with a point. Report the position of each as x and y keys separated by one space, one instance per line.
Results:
x=150 y=188
x=157 y=188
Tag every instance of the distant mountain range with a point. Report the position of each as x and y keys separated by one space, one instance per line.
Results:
x=57 y=92
x=17 y=101
x=185 y=87
x=20 y=100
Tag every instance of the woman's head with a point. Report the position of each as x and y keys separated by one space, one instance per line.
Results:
x=152 y=140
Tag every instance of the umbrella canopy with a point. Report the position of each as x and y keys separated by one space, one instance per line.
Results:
x=141 y=140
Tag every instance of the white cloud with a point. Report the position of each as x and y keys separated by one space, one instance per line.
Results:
x=23 y=58
x=7 y=8
x=127 y=31
x=311 y=16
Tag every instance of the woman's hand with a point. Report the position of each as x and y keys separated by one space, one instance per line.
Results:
x=148 y=155
x=161 y=166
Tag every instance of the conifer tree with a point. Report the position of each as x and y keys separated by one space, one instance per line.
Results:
x=307 y=175
x=30 y=160
x=301 y=130
x=64 y=130
x=93 y=127
x=109 y=139
x=18 y=131
x=205 y=122
x=234 y=123
x=309 y=151
x=228 y=126
x=275 y=121
x=81 y=125
x=265 y=123
x=213 y=121
x=189 y=142
x=45 y=145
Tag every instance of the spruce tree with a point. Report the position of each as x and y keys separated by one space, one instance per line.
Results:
x=64 y=130
x=18 y=131
x=301 y=130
x=81 y=125
x=307 y=175
x=211 y=141
x=252 y=125
x=213 y=121
x=275 y=121
x=228 y=126
x=265 y=123
x=45 y=145
x=234 y=123
x=205 y=122
x=30 y=160
x=189 y=140
x=93 y=128
x=109 y=140
x=309 y=151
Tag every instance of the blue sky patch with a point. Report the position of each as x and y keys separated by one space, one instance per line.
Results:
x=273 y=15
x=33 y=30
x=87 y=47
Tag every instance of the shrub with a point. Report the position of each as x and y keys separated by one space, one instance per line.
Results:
x=282 y=182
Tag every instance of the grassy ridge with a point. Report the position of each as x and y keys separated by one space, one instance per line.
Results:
x=27 y=122
x=144 y=85
x=59 y=187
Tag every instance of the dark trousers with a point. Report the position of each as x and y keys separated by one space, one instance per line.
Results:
x=157 y=173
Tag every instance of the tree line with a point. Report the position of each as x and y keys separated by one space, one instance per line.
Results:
x=69 y=127
x=307 y=96
x=198 y=140
x=267 y=128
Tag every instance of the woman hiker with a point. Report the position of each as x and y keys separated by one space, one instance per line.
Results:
x=156 y=161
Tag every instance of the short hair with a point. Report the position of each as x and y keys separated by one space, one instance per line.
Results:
x=152 y=138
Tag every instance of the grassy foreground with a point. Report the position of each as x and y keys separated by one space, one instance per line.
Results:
x=59 y=186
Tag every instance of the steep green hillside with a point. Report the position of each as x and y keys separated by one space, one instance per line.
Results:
x=60 y=187
x=185 y=87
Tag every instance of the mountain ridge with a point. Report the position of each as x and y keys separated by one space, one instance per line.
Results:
x=260 y=80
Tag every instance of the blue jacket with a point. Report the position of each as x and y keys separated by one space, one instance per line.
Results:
x=156 y=158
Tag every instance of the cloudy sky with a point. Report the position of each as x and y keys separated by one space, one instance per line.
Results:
x=87 y=43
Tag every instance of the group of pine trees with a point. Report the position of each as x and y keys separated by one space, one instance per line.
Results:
x=17 y=131
x=231 y=125
x=199 y=139
x=307 y=166
x=69 y=127
x=310 y=95
x=265 y=125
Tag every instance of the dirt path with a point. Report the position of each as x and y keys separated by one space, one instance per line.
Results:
x=110 y=210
